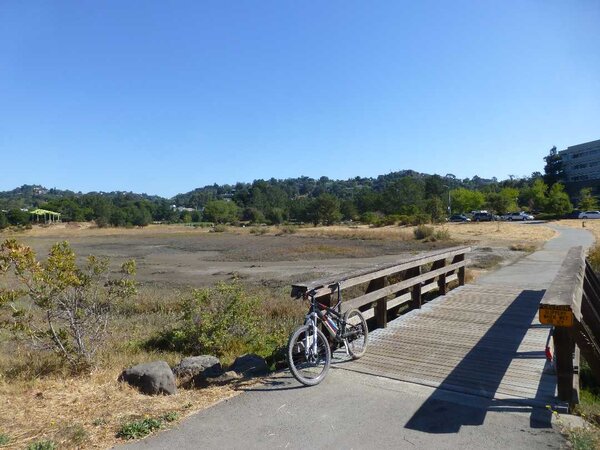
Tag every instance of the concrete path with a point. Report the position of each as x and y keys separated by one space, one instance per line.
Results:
x=352 y=410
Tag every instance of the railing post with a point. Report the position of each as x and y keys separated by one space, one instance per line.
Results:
x=381 y=304
x=415 y=291
x=462 y=270
x=564 y=347
x=442 y=278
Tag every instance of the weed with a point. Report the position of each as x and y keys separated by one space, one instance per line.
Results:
x=139 y=428
x=4 y=439
x=42 y=445
x=171 y=416
x=74 y=434
x=584 y=438
x=100 y=421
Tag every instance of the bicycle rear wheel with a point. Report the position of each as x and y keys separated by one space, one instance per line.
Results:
x=357 y=333
x=308 y=367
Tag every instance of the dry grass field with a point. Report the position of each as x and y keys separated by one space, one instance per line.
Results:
x=40 y=401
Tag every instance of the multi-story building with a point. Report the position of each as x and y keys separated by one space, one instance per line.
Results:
x=581 y=165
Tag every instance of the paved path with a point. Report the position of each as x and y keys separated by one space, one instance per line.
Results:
x=354 y=410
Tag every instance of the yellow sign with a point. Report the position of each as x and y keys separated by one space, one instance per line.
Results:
x=557 y=316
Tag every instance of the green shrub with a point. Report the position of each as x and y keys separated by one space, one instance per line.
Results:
x=219 y=228
x=171 y=416
x=42 y=445
x=594 y=258
x=77 y=300
x=139 y=428
x=423 y=232
x=259 y=230
x=228 y=320
x=4 y=439
x=289 y=229
x=420 y=219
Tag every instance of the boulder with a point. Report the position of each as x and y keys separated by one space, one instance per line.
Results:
x=224 y=378
x=151 y=378
x=250 y=365
x=203 y=366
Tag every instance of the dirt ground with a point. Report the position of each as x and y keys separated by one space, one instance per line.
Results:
x=184 y=256
x=174 y=257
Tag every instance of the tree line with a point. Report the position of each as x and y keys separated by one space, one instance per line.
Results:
x=398 y=197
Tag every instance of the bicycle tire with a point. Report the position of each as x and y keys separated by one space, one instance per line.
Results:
x=358 y=345
x=306 y=372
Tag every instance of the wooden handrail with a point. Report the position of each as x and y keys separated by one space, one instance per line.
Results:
x=394 y=284
x=572 y=305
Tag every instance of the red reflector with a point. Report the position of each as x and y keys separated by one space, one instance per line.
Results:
x=548 y=354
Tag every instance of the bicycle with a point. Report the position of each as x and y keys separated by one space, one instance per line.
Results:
x=309 y=352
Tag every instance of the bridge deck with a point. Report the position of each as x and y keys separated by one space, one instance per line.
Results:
x=481 y=340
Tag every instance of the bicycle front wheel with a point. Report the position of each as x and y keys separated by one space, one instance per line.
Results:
x=357 y=333
x=307 y=364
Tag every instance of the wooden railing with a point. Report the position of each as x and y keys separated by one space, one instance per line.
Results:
x=572 y=305
x=388 y=287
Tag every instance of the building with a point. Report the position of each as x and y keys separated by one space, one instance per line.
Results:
x=581 y=165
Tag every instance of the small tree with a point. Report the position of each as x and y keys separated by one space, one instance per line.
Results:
x=58 y=305
x=558 y=200
x=586 y=200
x=221 y=211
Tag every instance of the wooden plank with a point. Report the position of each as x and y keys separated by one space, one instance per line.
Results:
x=563 y=297
x=388 y=290
x=365 y=275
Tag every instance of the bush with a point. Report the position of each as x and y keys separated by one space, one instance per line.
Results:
x=227 y=320
x=75 y=302
x=288 y=229
x=423 y=232
x=442 y=235
x=259 y=230
x=420 y=219
x=219 y=228
x=594 y=258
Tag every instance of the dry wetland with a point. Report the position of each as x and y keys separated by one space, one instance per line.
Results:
x=41 y=401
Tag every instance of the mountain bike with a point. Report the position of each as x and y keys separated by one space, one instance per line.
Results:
x=309 y=350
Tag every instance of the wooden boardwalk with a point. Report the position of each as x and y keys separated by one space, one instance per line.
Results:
x=483 y=340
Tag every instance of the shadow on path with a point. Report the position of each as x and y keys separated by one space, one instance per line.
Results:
x=438 y=415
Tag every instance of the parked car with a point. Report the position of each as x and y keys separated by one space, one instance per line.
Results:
x=589 y=215
x=484 y=217
x=517 y=216
x=459 y=218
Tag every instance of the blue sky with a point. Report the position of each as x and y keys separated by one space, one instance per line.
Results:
x=162 y=97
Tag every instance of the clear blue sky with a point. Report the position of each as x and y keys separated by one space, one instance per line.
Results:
x=162 y=97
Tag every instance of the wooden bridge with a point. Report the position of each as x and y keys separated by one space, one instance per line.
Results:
x=484 y=340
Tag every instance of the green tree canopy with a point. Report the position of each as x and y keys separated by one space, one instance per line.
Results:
x=221 y=211
x=465 y=200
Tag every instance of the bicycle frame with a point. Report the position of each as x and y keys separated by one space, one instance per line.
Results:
x=336 y=326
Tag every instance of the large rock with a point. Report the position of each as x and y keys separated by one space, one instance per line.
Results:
x=250 y=365
x=151 y=378
x=203 y=366
x=224 y=378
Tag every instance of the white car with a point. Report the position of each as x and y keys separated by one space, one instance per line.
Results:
x=518 y=216
x=589 y=215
